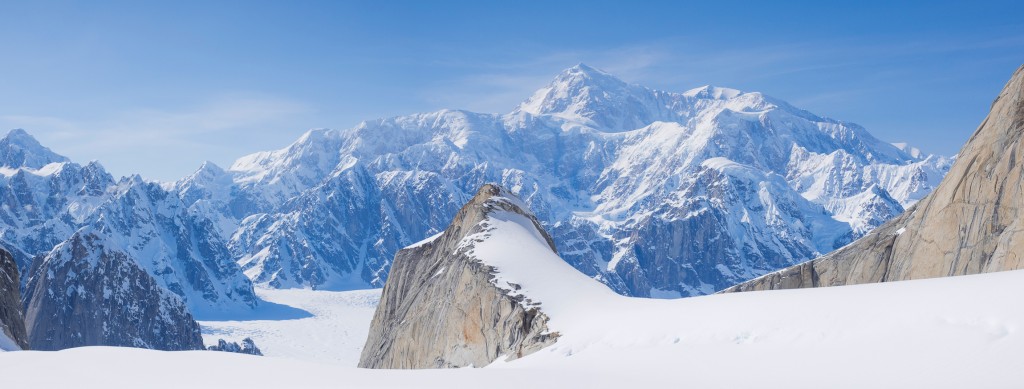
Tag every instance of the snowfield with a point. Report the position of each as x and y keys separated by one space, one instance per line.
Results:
x=941 y=333
x=330 y=327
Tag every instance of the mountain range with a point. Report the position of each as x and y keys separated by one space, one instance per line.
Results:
x=492 y=289
x=969 y=224
x=653 y=193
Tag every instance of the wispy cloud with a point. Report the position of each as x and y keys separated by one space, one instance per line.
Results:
x=678 y=64
x=221 y=127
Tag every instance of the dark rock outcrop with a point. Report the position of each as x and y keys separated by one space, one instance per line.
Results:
x=85 y=294
x=248 y=346
x=972 y=222
x=440 y=308
x=12 y=324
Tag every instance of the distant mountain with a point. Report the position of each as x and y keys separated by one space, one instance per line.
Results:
x=40 y=207
x=87 y=293
x=20 y=150
x=160 y=260
x=177 y=245
x=653 y=193
x=133 y=275
x=971 y=223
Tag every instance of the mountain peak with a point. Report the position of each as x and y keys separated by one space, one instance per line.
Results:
x=208 y=167
x=713 y=92
x=493 y=254
x=582 y=68
x=589 y=96
x=947 y=233
x=17 y=132
x=582 y=74
x=19 y=149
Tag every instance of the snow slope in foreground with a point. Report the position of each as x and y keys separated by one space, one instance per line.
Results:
x=941 y=333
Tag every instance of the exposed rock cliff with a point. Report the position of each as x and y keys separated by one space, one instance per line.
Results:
x=12 y=325
x=445 y=306
x=970 y=224
x=84 y=293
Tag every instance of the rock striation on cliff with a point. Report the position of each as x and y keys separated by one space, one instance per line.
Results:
x=12 y=324
x=445 y=304
x=972 y=222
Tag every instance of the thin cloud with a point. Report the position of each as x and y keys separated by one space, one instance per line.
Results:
x=221 y=127
x=679 y=64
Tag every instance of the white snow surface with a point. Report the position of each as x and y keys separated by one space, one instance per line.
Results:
x=516 y=249
x=321 y=326
x=940 y=333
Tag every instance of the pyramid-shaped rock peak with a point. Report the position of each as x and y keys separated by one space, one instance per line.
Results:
x=441 y=306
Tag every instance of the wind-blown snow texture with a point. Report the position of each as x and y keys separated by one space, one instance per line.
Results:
x=653 y=193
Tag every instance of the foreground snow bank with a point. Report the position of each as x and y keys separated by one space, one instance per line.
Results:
x=940 y=333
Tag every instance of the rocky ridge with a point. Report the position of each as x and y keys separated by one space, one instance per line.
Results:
x=443 y=306
x=971 y=223
x=49 y=204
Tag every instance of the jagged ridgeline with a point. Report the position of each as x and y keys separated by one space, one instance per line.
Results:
x=653 y=193
x=115 y=262
x=84 y=294
x=970 y=224
x=458 y=299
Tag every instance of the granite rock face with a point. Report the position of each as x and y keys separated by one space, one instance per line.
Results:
x=86 y=294
x=12 y=324
x=440 y=307
x=972 y=222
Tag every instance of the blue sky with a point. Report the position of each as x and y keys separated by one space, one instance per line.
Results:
x=158 y=87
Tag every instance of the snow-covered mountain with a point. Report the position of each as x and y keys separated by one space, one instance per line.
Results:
x=144 y=234
x=175 y=244
x=969 y=224
x=18 y=149
x=654 y=193
x=88 y=292
x=44 y=197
